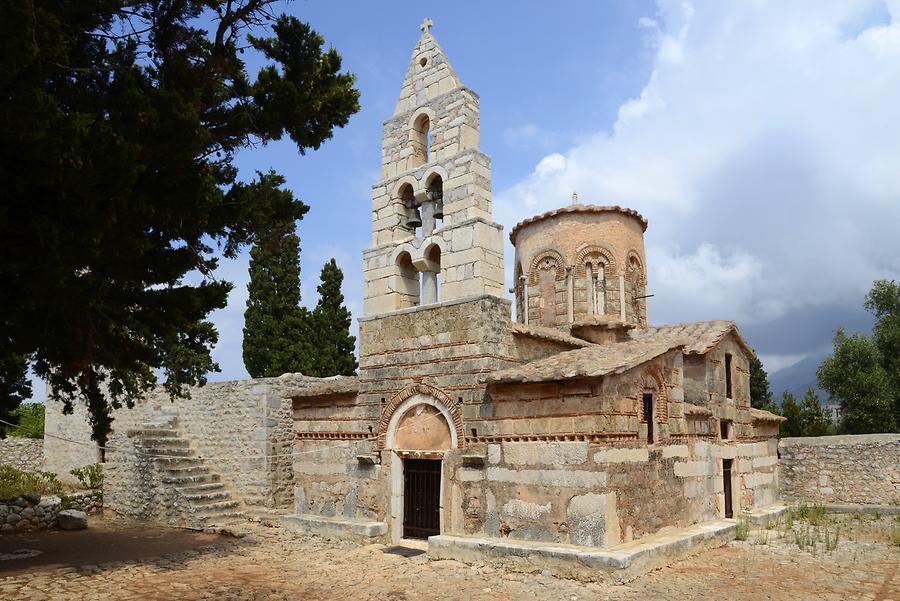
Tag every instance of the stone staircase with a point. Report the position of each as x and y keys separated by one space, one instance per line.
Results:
x=202 y=499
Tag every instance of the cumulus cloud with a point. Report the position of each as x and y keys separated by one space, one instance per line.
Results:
x=764 y=150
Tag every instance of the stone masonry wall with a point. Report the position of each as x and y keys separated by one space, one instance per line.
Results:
x=600 y=495
x=25 y=454
x=842 y=469
x=67 y=441
x=243 y=427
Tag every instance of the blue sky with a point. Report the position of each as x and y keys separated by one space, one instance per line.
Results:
x=760 y=139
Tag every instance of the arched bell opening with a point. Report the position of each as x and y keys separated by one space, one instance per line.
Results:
x=435 y=195
x=431 y=284
x=412 y=217
x=420 y=140
x=406 y=282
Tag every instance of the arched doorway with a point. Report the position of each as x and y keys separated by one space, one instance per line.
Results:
x=419 y=430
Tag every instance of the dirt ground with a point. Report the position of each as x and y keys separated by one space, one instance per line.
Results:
x=115 y=560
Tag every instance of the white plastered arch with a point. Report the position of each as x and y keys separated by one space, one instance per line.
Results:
x=405 y=406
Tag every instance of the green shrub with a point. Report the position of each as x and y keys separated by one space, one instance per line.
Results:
x=30 y=421
x=15 y=482
x=90 y=476
x=743 y=529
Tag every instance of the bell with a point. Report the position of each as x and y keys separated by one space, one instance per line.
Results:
x=436 y=195
x=412 y=218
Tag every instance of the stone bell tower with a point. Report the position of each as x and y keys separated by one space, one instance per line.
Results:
x=433 y=235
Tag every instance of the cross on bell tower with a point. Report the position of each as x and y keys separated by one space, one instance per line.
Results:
x=426 y=25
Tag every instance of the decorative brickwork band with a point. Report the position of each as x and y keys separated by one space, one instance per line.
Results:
x=547 y=259
x=594 y=254
x=653 y=380
x=410 y=391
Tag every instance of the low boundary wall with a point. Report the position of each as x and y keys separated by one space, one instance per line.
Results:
x=858 y=469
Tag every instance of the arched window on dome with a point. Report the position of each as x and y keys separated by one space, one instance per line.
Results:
x=595 y=285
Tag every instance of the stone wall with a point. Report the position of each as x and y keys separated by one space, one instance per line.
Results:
x=67 y=441
x=600 y=494
x=242 y=429
x=34 y=512
x=842 y=469
x=25 y=454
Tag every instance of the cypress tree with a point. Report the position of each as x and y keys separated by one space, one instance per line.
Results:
x=760 y=393
x=331 y=321
x=276 y=340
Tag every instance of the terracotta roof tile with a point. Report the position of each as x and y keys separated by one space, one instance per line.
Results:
x=578 y=208
x=761 y=415
x=589 y=362
x=697 y=337
x=552 y=334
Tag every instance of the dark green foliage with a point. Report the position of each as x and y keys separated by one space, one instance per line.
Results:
x=14 y=483
x=883 y=301
x=854 y=374
x=118 y=127
x=30 y=421
x=863 y=373
x=760 y=394
x=790 y=410
x=276 y=339
x=14 y=387
x=331 y=322
x=815 y=420
x=90 y=476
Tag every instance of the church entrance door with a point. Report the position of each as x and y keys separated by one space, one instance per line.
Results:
x=421 y=498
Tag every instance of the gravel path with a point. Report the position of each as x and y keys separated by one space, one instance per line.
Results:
x=271 y=564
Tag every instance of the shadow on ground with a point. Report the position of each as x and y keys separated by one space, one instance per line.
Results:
x=107 y=539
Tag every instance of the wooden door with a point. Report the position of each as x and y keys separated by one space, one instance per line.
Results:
x=726 y=476
x=421 y=498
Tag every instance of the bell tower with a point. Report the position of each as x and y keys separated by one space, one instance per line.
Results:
x=433 y=234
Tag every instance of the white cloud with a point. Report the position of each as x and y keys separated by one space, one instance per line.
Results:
x=764 y=149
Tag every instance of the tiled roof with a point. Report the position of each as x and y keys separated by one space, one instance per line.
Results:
x=578 y=208
x=697 y=337
x=589 y=362
x=545 y=333
x=327 y=387
x=761 y=415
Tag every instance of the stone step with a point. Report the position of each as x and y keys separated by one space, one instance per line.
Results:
x=166 y=422
x=168 y=451
x=221 y=519
x=188 y=470
x=163 y=441
x=170 y=462
x=199 y=479
x=155 y=433
x=197 y=507
x=204 y=497
x=193 y=488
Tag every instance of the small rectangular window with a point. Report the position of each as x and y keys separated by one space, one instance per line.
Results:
x=728 y=386
x=648 y=415
x=726 y=429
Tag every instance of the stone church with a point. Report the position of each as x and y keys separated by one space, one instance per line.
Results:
x=576 y=423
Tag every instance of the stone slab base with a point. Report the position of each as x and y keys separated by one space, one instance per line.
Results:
x=767 y=516
x=617 y=564
x=362 y=532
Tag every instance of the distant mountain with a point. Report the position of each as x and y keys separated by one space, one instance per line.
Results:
x=797 y=378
